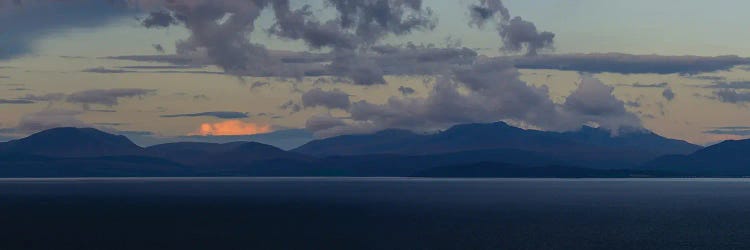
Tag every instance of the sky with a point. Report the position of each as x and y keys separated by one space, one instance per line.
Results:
x=170 y=70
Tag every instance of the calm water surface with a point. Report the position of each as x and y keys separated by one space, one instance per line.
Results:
x=374 y=213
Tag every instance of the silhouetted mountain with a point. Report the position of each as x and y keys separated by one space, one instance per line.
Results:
x=74 y=152
x=390 y=141
x=21 y=165
x=235 y=153
x=72 y=142
x=406 y=165
x=641 y=139
x=284 y=139
x=588 y=147
x=500 y=170
x=729 y=158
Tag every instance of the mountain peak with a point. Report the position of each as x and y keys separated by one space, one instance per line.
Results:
x=73 y=142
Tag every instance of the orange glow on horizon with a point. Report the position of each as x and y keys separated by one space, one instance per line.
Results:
x=231 y=127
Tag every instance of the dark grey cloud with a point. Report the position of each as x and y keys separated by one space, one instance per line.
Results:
x=668 y=94
x=732 y=96
x=259 y=84
x=740 y=131
x=162 y=67
x=421 y=60
x=159 y=19
x=106 y=97
x=730 y=85
x=486 y=10
x=631 y=64
x=22 y=22
x=51 y=97
x=216 y=114
x=16 y=101
x=358 y=22
x=633 y=104
x=201 y=97
x=334 y=99
x=517 y=34
x=158 y=48
x=111 y=124
x=101 y=70
x=406 y=91
x=291 y=106
x=102 y=110
x=363 y=69
x=708 y=78
x=650 y=85
x=220 y=31
x=170 y=59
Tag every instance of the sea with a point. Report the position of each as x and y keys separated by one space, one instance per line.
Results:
x=374 y=213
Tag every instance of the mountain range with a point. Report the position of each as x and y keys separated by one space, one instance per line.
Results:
x=468 y=150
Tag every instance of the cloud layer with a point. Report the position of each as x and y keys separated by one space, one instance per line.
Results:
x=215 y=114
x=486 y=92
x=631 y=64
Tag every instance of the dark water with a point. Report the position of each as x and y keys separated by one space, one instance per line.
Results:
x=322 y=213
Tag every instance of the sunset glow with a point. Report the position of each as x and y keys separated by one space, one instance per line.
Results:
x=231 y=127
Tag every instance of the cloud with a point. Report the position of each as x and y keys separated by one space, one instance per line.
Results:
x=740 y=131
x=23 y=22
x=102 y=70
x=406 y=91
x=358 y=22
x=334 y=99
x=486 y=92
x=421 y=60
x=167 y=69
x=16 y=101
x=652 y=85
x=631 y=64
x=730 y=85
x=634 y=104
x=259 y=84
x=106 y=97
x=216 y=114
x=486 y=10
x=49 y=119
x=201 y=97
x=291 y=106
x=358 y=68
x=709 y=78
x=668 y=94
x=221 y=31
x=158 y=48
x=163 y=67
x=171 y=59
x=111 y=124
x=732 y=96
x=231 y=127
x=593 y=101
x=517 y=34
x=159 y=19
